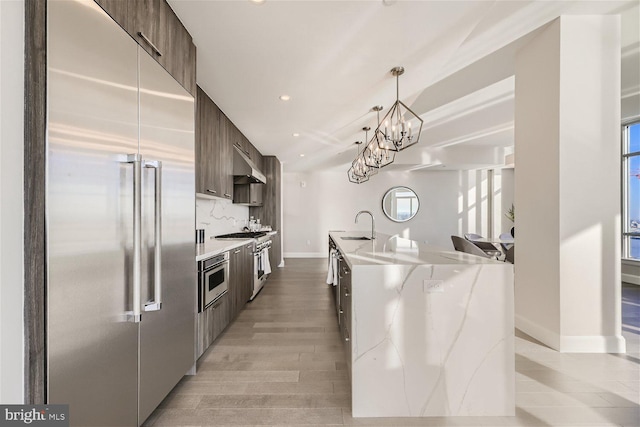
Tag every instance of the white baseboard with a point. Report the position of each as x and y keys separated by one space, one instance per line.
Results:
x=631 y=278
x=538 y=332
x=306 y=254
x=593 y=344
x=572 y=344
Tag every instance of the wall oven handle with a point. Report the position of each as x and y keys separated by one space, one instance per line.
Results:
x=156 y=303
x=135 y=315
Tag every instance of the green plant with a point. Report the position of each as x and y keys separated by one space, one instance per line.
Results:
x=511 y=214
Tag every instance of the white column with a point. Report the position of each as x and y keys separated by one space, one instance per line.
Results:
x=11 y=193
x=567 y=185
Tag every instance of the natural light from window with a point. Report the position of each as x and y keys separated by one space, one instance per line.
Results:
x=631 y=184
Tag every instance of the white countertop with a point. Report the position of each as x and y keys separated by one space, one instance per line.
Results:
x=394 y=250
x=214 y=246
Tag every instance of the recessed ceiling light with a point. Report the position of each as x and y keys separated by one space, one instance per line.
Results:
x=258 y=1
x=301 y=155
x=295 y=134
x=284 y=97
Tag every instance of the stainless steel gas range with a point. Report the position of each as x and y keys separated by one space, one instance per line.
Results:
x=261 y=247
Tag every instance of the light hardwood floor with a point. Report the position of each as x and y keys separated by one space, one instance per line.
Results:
x=281 y=363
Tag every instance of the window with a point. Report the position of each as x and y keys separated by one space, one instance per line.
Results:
x=631 y=190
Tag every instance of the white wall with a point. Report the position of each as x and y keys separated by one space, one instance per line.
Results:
x=451 y=202
x=567 y=198
x=11 y=194
x=630 y=108
x=630 y=98
x=506 y=200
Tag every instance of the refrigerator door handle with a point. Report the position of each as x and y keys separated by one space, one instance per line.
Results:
x=135 y=315
x=156 y=303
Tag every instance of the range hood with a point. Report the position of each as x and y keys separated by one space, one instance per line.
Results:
x=244 y=170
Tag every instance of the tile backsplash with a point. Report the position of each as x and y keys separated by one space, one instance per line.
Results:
x=220 y=216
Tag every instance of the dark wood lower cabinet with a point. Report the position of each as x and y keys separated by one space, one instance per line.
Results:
x=214 y=320
x=235 y=279
x=247 y=273
x=345 y=309
x=211 y=322
x=241 y=280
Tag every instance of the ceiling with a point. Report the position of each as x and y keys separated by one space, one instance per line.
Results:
x=333 y=59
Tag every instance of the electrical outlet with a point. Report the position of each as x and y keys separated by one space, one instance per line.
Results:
x=433 y=286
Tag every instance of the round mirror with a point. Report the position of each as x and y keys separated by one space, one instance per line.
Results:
x=400 y=204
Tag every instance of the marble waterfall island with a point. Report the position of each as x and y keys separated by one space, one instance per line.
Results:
x=431 y=331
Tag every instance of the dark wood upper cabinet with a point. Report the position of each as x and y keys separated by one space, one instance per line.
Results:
x=255 y=155
x=243 y=143
x=214 y=161
x=248 y=194
x=207 y=124
x=157 y=29
x=238 y=140
x=119 y=11
x=270 y=211
x=180 y=59
x=147 y=26
x=225 y=156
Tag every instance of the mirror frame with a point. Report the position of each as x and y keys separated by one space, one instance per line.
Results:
x=396 y=188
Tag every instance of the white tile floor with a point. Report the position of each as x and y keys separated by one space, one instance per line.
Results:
x=281 y=363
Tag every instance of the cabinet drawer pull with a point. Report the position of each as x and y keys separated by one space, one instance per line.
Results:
x=147 y=41
x=227 y=195
x=346 y=336
x=237 y=252
x=346 y=294
x=341 y=310
x=212 y=191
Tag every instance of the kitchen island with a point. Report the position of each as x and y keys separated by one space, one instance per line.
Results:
x=428 y=332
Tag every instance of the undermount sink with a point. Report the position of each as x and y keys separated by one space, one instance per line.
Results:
x=355 y=238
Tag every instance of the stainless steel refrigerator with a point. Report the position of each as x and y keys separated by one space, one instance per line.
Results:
x=120 y=219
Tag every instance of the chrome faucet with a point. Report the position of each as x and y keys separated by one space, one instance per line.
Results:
x=373 y=223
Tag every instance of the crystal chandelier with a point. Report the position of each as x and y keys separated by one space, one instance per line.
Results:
x=377 y=153
x=402 y=126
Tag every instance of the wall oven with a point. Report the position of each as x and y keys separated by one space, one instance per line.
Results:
x=213 y=278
